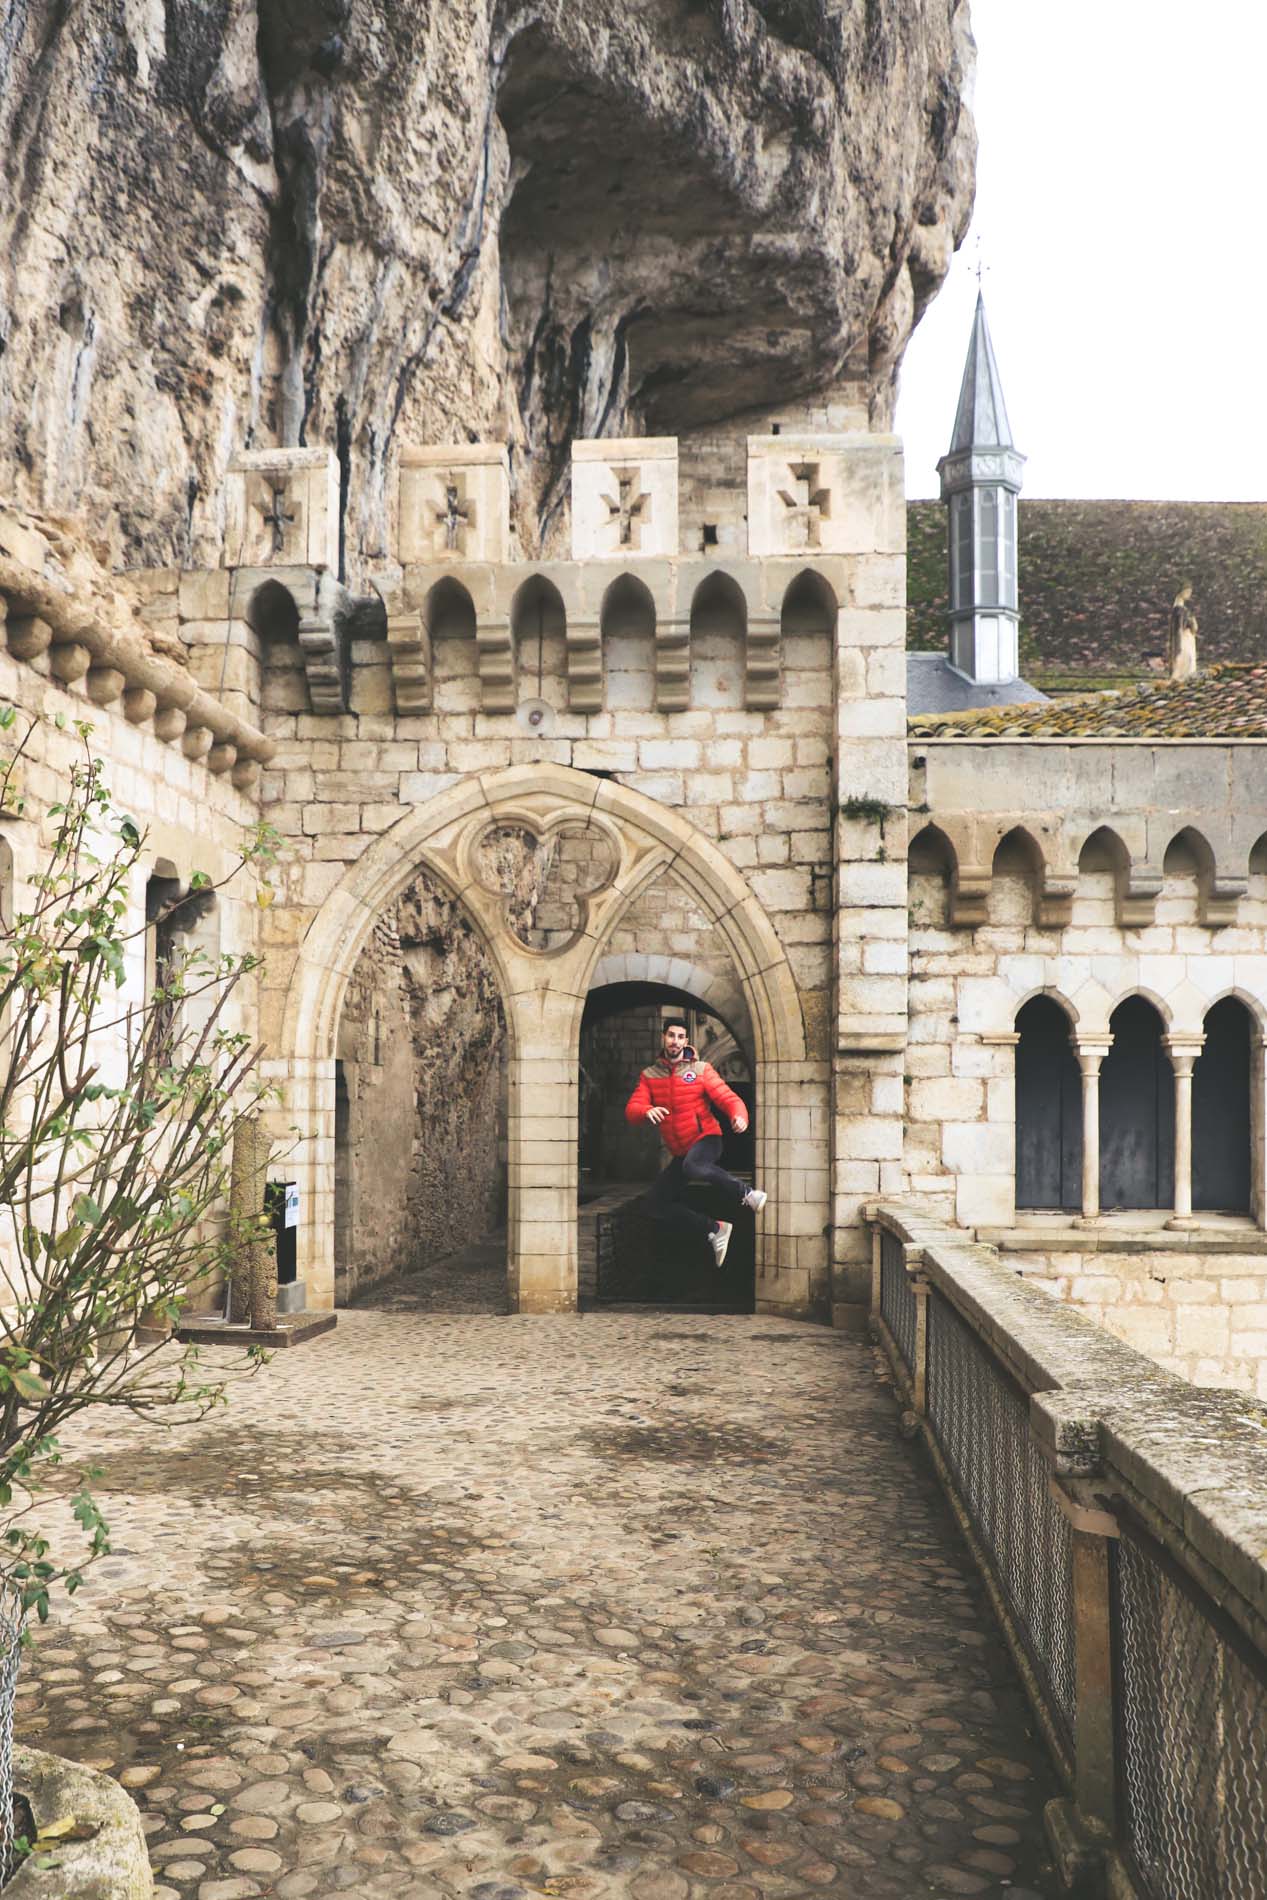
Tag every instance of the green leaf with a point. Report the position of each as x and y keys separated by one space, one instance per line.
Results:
x=27 y=1383
x=129 y=833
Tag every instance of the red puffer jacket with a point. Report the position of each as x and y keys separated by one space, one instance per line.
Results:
x=686 y=1089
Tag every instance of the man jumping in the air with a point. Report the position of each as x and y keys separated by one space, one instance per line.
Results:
x=674 y=1095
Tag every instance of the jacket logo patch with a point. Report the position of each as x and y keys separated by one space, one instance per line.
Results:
x=689 y=1076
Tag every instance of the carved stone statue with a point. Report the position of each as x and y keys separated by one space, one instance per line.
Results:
x=1181 y=652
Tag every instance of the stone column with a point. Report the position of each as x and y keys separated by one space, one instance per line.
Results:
x=1258 y=1129
x=920 y=1290
x=1079 y=1834
x=871 y=786
x=1091 y=1053
x=541 y=1132
x=1183 y=1052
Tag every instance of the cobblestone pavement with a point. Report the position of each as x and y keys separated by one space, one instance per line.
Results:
x=636 y=1604
x=473 y=1280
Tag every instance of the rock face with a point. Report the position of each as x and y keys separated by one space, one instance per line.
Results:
x=232 y=223
x=422 y=1042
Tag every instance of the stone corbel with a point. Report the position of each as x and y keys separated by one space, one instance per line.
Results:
x=323 y=644
x=1219 y=901
x=1137 y=898
x=673 y=664
x=763 y=663
x=970 y=894
x=409 y=651
x=585 y=665
x=495 y=646
x=1055 y=900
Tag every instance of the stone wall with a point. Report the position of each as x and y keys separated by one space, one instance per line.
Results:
x=191 y=818
x=1200 y=1313
x=691 y=758
x=422 y=1049
x=1087 y=872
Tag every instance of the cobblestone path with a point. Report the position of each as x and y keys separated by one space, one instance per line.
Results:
x=635 y=1604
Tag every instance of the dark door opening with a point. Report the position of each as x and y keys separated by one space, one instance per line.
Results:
x=1137 y=1112
x=1221 y=1114
x=1048 y=1109
x=625 y=1256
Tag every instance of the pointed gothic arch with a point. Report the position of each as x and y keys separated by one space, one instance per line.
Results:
x=544 y=998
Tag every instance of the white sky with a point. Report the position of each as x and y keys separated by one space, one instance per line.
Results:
x=1122 y=211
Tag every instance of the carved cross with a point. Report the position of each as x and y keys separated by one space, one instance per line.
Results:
x=276 y=518
x=808 y=504
x=627 y=508
x=453 y=517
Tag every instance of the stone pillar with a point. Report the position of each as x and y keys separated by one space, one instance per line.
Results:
x=1183 y=1052
x=1091 y=1053
x=870 y=796
x=1258 y=1129
x=1081 y=1834
x=541 y=1137
x=919 y=1371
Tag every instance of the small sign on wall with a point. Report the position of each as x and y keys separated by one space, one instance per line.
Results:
x=290 y=1210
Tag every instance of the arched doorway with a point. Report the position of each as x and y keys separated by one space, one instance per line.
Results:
x=420 y=1104
x=462 y=838
x=1222 y=1118
x=1137 y=1111
x=1048 y=1109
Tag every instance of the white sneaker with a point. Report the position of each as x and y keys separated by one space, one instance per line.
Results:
x=756 y=1199
x=719 y=1240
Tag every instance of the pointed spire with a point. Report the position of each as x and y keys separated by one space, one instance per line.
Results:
x=981 y=418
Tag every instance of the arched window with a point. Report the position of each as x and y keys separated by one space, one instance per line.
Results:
x=1048 y=1109
x=930 y=868
x=807 y=627
x=182 y=942
x=719 y=625
x=627 y=623
x=1016 y=878
x=538 y=622
x=1221 y=1114
x=450 y=618
x=1137 y=1111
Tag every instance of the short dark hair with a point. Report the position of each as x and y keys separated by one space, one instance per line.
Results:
x=674 y=1022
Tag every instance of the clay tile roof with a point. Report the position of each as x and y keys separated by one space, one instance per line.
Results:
x=1227 y=702
x=1097 y=579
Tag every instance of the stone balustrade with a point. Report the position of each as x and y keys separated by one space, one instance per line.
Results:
x=1119 y=1519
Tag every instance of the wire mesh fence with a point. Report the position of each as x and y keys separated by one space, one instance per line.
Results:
x=980 y=1419
x=11 y=1620
x=1192 y=1735
x=897 y=1300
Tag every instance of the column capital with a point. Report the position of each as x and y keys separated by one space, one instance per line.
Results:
x=1183 y=1050
x=1091 y=1051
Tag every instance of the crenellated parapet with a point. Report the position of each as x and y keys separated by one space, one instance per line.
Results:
x=1136 y=807
x=453 y=564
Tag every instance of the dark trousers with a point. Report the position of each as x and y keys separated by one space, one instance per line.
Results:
x=698 y=1167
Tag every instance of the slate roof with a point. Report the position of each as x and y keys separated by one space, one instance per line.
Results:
x=1097 y=579
x=981 y=416
x=933 y=685
x=1228 y=702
